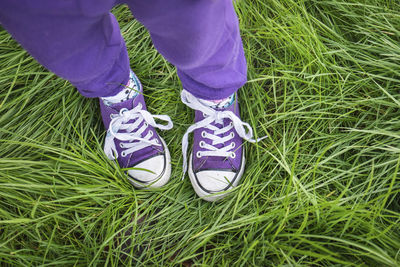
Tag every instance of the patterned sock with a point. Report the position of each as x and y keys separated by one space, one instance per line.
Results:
x=221 y=103
x=131 y=89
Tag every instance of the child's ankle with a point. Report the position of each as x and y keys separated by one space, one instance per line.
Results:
x=221 y=103
x=129 y=91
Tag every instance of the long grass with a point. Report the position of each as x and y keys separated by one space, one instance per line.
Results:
x=322 y=190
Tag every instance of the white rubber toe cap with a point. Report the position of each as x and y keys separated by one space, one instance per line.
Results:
x=215 y=181
x=155 y=172
x=148 y=170
x=212 y=185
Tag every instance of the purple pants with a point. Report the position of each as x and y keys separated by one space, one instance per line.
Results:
x=80 y=40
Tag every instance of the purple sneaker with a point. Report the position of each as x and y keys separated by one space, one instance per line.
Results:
x=133 y=141
x=217 y=161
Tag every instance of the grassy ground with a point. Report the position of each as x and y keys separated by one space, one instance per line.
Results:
x=323 y=189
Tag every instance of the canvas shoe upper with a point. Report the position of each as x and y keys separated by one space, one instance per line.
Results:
x=217 y=160
x=133 y=141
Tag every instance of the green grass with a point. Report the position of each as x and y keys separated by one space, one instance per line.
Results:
x=322 y=190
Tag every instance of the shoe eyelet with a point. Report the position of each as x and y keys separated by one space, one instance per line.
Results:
x=232 y=134
x=201 y=144
x=233 y=144
x=203 y=134
x=123 y=110
x=121 y=145
x=233 y=155
x=151 y=133
x=123 y=154
x=146 y=124
x=157 y=141
x=231 y=124
x=204 y=115
x=198 y=154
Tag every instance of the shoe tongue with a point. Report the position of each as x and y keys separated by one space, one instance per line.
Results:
x=128 y=104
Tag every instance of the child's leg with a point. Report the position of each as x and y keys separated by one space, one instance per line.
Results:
x=80 y=41
x=201 y=38
x=77 y=40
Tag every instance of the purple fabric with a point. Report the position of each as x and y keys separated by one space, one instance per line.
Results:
x=80 y=40
x=207 y=163
x=136 y=157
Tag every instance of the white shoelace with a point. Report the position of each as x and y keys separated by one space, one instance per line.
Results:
x=210 y=116
x=133 y=133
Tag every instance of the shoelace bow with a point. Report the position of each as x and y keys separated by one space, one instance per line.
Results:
x=211 y=115
x=132 y=131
